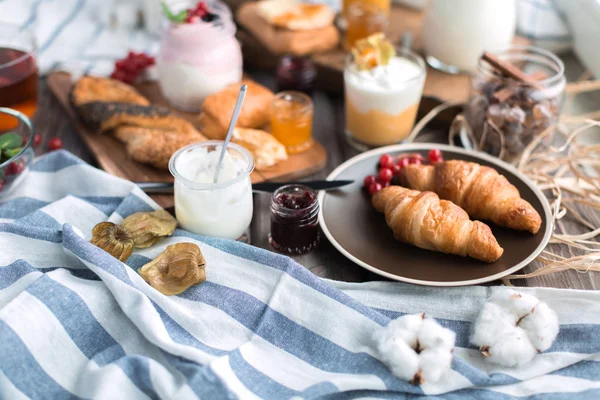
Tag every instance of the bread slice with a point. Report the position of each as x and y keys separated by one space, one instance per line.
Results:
x=154 y=146
x=218 y=108
x=295 y=15
x=266 y=150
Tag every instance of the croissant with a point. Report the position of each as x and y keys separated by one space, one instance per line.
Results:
x=481 y=191
x=425 y=221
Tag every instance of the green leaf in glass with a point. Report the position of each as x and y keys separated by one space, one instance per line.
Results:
x=10 y=140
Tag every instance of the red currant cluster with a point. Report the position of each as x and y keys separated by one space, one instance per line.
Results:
x=129 y=68
x=390 y=168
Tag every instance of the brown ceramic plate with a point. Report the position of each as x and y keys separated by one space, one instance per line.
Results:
x=360 y=233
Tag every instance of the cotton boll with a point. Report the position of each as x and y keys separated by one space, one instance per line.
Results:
x=434 y=363
x=514 y=349
x=513 y=327
x=433 y=335
x=519 y=304
x=541 y=326
x=492 y=325
x=407 y=328
x=395 y=353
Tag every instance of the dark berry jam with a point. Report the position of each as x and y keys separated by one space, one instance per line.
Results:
x=295 y=73
x=294 y=219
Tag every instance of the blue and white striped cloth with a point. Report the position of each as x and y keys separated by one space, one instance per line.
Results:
x=77 y=323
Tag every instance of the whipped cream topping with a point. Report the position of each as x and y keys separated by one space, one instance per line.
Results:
x=389 y=88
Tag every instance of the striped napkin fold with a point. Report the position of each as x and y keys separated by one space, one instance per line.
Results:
x=76 y=322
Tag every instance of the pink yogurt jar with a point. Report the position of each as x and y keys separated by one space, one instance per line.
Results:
x=198 y=59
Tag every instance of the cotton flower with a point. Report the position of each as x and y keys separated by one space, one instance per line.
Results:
x=415 y=348
x=512 y=328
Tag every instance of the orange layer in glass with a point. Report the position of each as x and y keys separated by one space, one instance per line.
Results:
x=378 y=128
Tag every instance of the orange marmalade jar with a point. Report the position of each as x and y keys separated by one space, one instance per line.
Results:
x=291 y=120
x=383 y=5
x=363 y=20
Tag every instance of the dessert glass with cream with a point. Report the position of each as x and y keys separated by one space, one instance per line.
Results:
x=198 y=57
x=383 y=88
x=221 y=209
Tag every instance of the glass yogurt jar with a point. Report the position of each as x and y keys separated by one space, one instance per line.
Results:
x=382 y=102
x=199 y=58
x=221 y=209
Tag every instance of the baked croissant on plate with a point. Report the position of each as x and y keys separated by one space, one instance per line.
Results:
x=425 y=221
x=481 y=191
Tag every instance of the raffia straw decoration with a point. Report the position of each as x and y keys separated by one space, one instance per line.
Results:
x=564 y=169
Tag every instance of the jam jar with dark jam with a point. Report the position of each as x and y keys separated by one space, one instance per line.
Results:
x=294 y=219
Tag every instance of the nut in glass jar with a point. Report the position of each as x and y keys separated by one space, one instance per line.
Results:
x=506 y=114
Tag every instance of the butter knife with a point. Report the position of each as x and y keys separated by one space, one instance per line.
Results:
x=269 y=187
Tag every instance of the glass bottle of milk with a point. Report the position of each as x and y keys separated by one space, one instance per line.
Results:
x=457 y=32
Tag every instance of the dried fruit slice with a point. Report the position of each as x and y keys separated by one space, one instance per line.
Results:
x=113 y=239
x=179 y=267
x=147 y=228
x=373 y=51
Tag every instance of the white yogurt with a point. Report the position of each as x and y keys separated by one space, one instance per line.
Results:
x=390 y=88
x=186 y=86
x=222 y=209
x=457 y=32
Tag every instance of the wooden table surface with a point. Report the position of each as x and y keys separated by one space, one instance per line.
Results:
x=51 y=120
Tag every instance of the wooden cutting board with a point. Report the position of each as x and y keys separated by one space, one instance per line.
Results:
x=112 y=157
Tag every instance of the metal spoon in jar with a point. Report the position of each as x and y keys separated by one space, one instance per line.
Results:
x=234 y=118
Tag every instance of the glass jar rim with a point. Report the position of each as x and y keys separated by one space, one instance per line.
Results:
x=297 y=94
x=26 y=53
x=287 y=212
x=356 y=9
x=400 y=52
x=211 y=186
x=27 y=122
x=521 y=50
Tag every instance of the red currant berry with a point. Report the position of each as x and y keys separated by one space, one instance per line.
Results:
x=36 y=139
x=55 y=144
x=415 y=161
x=397 y=170
x=15 y=168
x=385 y=174
x=2 y=182
x=386 y=161
x=386 y=184
x=403 y=162
x=191 y=18
x=374 y=188
x=434 y=155
x=368 y=180
x=118 y=75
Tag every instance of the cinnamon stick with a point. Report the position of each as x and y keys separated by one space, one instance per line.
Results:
x=506 y=92
x=508 y=69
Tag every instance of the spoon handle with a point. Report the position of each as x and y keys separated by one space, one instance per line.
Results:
x=234 y=118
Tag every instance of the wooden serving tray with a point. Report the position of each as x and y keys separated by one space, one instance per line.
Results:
x=113 y=158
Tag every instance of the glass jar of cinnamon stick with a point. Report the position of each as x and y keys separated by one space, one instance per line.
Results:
x=515 y=96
